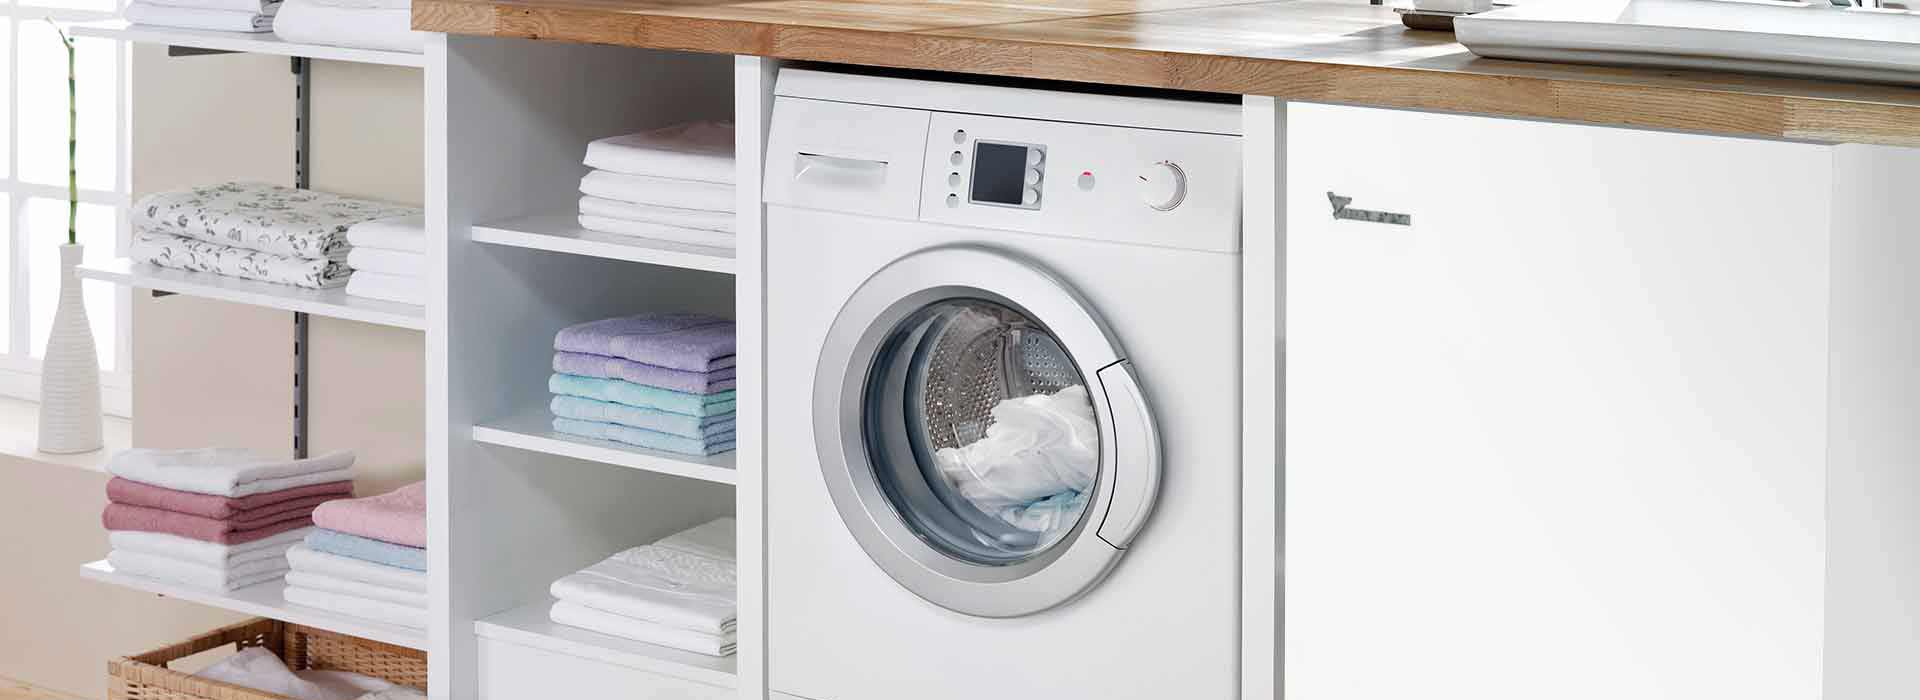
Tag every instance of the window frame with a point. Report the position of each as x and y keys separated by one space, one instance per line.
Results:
x=19 y=369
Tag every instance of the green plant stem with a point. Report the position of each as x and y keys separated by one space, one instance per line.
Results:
x=73 y=141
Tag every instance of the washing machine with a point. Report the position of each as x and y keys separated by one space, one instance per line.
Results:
x=1003 y=389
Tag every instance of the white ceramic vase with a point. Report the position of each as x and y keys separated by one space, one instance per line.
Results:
x=70 y=371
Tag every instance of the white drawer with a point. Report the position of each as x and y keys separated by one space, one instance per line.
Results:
x=510 y=671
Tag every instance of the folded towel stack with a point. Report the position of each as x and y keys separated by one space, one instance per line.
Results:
x=367 y=559
x=678 y=592
x=389 y=259
x=215 y=519
x=660 y=380
x=254 y=231
x=672 y=184
x=381 y=25
x=217 y=15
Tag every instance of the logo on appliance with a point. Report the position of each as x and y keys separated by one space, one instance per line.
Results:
x=1342 y=211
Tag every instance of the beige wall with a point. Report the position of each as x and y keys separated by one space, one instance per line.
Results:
x=211 y=373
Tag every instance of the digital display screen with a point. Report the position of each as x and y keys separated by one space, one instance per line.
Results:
x=999 y=173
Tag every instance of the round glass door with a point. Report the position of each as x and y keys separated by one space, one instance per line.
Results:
x=981 y=432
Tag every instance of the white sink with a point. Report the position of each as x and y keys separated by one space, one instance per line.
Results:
x=1807 y=39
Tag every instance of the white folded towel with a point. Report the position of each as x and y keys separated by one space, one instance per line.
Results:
x=583 y=617
x=257 y=7
x=207 y=554
x=227 y=471
x=303 y=558
x=405 y=263
x=663 y=191
x=659 y=232
x=369 y=4
x=685 y=581
x=398 y=288
x=670 y=216
x=308 y=22
x=407 y=233
x=700 y=151
x=358 y=589
x=140 y=12
x=194 y=575
x=355 y=606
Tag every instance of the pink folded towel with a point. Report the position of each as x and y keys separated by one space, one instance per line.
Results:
x=134 y=493
x=120 y=516
x=398 y=516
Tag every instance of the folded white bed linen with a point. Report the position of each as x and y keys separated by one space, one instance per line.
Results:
x=405 y=263
x=194 y=575
x=308 y=22
x=303 y=558
x=369 y=4
x=397 y=288
x=575 y=615
x=140 y=12
x=196 y=255
x=684 y=581
x=204 y=553
x=227 y=471
x=358 y=589
x=663 y=191
x=269 y=218
x=248 y=6
x=355 y=606
x=408 y=233
x=659 y=232
x=700 y=151
x=670 y=216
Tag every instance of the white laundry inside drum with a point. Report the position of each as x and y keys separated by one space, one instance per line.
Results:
x=1036 y=462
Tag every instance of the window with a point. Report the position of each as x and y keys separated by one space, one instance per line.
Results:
x=33 y=187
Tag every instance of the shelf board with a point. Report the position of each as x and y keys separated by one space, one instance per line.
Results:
x=264 y=600
x=529 y=626
x=333 y=303
x=533 y=432
x=247 y=42
x=560 y=232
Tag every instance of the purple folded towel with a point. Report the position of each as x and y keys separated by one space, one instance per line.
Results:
x=640 y=373
x=688 y=342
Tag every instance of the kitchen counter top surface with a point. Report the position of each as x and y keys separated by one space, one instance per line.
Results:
x=1341 y=51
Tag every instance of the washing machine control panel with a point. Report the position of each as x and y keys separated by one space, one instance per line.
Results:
x=1136 y=185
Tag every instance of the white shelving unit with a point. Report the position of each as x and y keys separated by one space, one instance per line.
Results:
x=264 y=599
x=334 y=303
x=532 y=431
x=561 y=232
x=529 y=626
x=261 y=599
x=241 y=42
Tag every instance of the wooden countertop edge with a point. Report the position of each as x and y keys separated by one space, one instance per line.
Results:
x=1563 y=99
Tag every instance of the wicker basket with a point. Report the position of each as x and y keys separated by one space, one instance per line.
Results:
x=146 y=677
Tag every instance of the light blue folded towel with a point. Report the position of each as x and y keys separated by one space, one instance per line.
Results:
x=631 y=394
x=645 y=418
x=645 y=438
x=364 y=549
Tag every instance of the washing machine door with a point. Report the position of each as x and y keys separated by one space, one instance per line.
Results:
x=981 y=434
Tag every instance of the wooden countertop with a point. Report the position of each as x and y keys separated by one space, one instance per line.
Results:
x=1314 y=50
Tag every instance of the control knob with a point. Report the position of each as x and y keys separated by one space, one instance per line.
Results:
x=1162 y=185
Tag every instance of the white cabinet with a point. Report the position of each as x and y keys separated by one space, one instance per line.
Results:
x=1568 y=429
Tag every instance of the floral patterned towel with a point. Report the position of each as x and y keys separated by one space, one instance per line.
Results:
x=268 y=218
x=180 y=252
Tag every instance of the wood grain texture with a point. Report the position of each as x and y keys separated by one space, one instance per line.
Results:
x=1308 y=50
